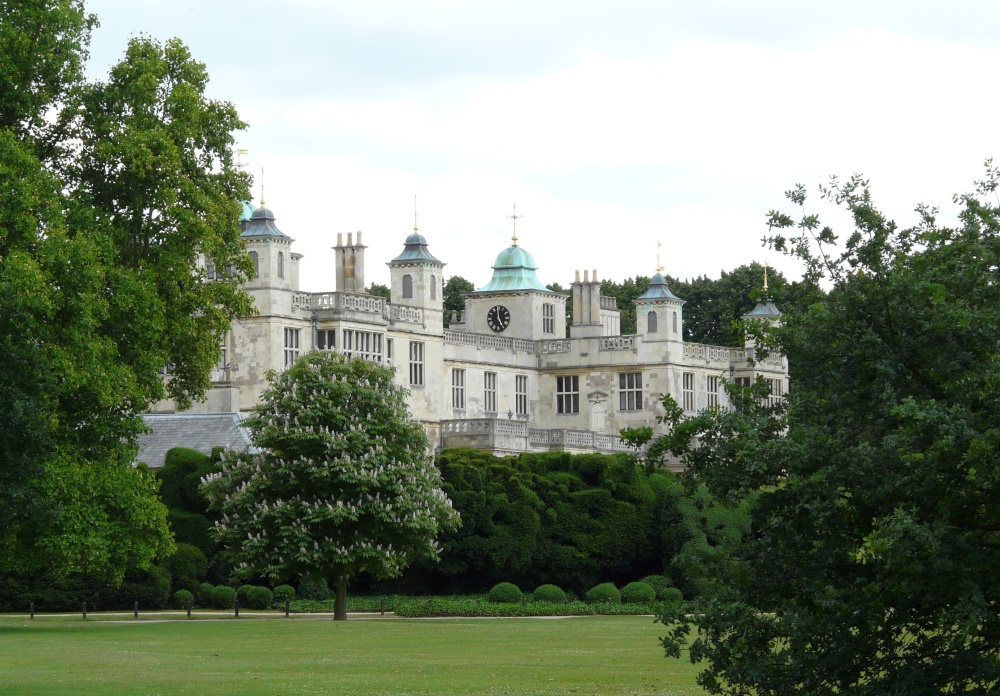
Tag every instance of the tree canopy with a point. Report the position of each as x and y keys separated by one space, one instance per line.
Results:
x=342 y=484
x=869 y=565
x=109 y=193
x=454 y=296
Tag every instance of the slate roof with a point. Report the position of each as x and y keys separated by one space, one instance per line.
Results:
x=262 y=226
x=763 y=310
x=658 y=290
x=200 y=432
x=415 y=249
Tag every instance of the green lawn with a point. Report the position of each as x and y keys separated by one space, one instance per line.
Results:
x=586 y=655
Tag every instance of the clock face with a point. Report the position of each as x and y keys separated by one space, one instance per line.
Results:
x=498 y=318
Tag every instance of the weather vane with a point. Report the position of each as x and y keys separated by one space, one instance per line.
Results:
x=659 y=268
x=515 y=217
x=261 y=187
x=414 y=213
x=239 y=154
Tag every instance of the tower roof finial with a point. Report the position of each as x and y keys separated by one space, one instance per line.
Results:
x=659 y=268
x=765 y=278
x=515 y=217
x=261 y=187
x=414 y=213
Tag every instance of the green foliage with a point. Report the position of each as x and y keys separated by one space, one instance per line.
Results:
x=454 y=296
x=505 y=593
x=552 y=517
x=259 y=598
x=670 y=594
x=242 y=592
x=379 y=290
x=603 y=594
x=638 y=593
x=314 y=587
x=223 y=597
x=182 y=599
x=659 y=583
x=187 y=563
x=204 y=594
x=867 y=560
x=549 y=593
x=342 y=484
x=283 y=593
x=112 y=192
x=150 y=588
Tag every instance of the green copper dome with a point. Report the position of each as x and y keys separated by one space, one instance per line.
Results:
x=514 y=269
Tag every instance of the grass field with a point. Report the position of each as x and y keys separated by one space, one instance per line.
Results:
x=584 y=655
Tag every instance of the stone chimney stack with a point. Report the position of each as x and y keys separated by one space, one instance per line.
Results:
x=350 y=260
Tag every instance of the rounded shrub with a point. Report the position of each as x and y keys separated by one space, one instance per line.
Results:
x=283 y=592
x=638 y=593
x=241 y=594
x=672 y=594
x=182 y=598
x=314 y=587
x=549 y=593
x=659 y=583
x=505 y=593
x=204 y=594
x=605 y=593
x=259 y=598
x=223 y=597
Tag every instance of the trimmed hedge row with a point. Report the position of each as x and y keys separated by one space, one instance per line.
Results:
x=436 y=606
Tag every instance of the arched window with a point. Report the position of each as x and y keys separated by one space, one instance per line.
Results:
x=256 y=264
x=675 y=322
x=434 y=292
x=651 y=322
x=281 y=265
x=407 y=286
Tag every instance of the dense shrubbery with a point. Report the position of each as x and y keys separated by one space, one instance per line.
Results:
x=505 y=593
x=549 y=593
x=605 y=593
x=463 y=606
x=259 y=598
x=223 y=597
x=638 y=593
x=241 y=594
x=182 y=599
x=552 y=517
x=672 y=594
x=659 y=583
x=204 y=594
x=314 y=588
x=282 y=593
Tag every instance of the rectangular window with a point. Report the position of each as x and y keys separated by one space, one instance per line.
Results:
x=713 y=392
x=521 y=395
x=388 y=349
x=568 y=394
x=326 y=339
x=366 y=345
x=777 y=392
x=458 y=388
x=416 y=363
x=224 y=352
x=630 y=391
x=743 y=381
x=688 y=393
x=490 y=391
x=548 y=318
x=291 y=346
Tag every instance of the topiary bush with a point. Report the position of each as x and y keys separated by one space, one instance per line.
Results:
x=259 y=598
x=549 y=593
x=314 y=587
x=659 y=583
x=505 y=593
x=282 y=593
x=604 y=593
x=203 y=595
x=672 y=594
x=241 y=594
x=638 y=593
x=223 y=597
x=182 y=598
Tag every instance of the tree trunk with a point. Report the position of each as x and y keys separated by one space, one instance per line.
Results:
x=340 y=603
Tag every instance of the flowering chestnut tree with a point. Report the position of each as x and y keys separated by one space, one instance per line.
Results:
x=342 y=482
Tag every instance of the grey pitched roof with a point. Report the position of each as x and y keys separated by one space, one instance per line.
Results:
x=200 y=432
x=658 y=290
x=262 y=225
x=415 y=249
x=763 y=310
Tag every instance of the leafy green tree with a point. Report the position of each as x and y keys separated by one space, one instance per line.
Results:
x=109 y=192
x=874 y=505
x=343 y=483
x=454 y=296
x=379 y=290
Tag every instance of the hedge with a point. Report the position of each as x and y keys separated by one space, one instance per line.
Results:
x=223 y=597
x=505 y=593
x=549 y=593
x=605 y=593
x=638 y=593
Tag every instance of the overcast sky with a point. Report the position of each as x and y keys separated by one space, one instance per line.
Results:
x=611 y=125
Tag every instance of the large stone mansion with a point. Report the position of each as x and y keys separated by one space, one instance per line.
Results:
x=503 y=376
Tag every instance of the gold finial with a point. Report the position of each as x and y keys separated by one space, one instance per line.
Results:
x=261 y=187
x=515 y=217
x=765 y=277
x=414 y=213
x=659 y=268
x=239 y=154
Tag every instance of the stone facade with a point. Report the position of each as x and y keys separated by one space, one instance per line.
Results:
x=504 y=376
